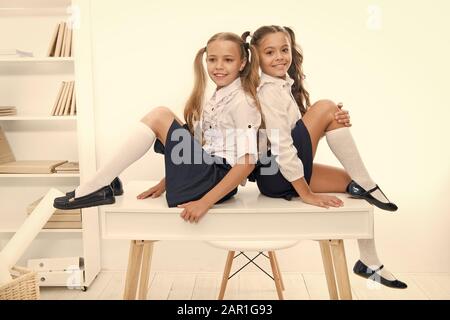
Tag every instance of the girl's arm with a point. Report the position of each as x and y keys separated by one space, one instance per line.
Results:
x=307 y=196
x=342 y=116
x=154 y=191
x=194 y=210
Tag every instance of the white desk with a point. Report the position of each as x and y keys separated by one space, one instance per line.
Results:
x=248 y=216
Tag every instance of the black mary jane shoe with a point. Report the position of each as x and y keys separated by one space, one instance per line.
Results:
x=364 y=271
x=116 y=186
x=100 y=197
x=358 y=192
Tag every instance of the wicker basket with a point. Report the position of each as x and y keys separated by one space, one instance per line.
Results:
x=24 y=285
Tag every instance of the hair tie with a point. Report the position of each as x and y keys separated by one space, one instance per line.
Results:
x=246 y=45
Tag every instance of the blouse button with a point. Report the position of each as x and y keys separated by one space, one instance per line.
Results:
x=249 y=126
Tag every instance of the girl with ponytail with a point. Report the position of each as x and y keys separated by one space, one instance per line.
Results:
x=294 y=128
x=208 y=157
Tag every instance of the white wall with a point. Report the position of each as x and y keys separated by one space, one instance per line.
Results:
x=392 y=80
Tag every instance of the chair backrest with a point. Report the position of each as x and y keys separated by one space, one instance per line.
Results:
x=6 y=154
x=253 y=245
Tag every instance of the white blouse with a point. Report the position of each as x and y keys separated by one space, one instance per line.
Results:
x=281 y=114
x=230 y=121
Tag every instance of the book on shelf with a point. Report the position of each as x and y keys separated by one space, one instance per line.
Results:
x=68 y=99
x=68 y=167
x=67 y=46
x=7 y=111
x=63 y=225
x=15 y=53
x=62 y=100
x=65 y=104
x=61 y=41
x=60 y=217
x=6 y=154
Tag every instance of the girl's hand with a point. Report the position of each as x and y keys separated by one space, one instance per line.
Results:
x=154 y=191
x=342 y=116
x=322 y=200
x=194 y=210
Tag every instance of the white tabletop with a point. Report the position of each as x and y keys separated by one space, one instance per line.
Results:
x=247 y=216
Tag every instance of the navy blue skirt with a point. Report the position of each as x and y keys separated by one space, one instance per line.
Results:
x=275 y=185
x=190 y=171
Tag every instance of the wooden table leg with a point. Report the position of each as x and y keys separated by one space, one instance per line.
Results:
x=340 y=267
x=134 y=266
x=226 y=274
x=276 y=276
x=278 y=269
x=145 y=269
x=329 y=269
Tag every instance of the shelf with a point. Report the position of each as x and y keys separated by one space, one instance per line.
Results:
x=34 y=3
x=38 y=118
x=36 y=60
x=39 y=175
x=14 y=230
x=34 y=8
x=28 y=65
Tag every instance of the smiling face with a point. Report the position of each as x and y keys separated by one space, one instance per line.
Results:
x=275 y=56
x=224 y=62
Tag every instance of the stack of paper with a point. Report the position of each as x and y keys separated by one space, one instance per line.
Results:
x=31 y=166
x=68 y=167
x=61 y=219
x=7 y=111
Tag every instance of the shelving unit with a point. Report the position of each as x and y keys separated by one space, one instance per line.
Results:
x=38 y=118
x=39 y=175
x=31 y=85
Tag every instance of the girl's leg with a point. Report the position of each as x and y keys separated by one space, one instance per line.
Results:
x=319 y=120
x=141 y=138
x=327 y=179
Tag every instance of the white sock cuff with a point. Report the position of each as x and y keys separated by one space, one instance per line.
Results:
x=142 y=128
x=337 y=131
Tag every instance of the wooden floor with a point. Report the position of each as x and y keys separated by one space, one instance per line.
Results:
x=253 y=285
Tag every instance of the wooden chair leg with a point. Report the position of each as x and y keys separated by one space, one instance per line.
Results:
x=226 y=274
x=329 y=269
x=279 y=270
x=276 y=275
x=134 y=266
x=145 y=270
x=340 y=266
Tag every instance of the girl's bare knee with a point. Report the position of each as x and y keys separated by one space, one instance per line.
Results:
x=155 y=115
x=326 y=105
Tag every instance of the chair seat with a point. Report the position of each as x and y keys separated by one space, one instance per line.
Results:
x=253 y=245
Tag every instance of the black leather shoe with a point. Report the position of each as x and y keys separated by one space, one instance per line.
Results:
x=364 y=271
x=116 y=186
x=357 y=192
x=100 y=197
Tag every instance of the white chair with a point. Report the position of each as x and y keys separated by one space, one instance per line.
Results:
x=260 y=247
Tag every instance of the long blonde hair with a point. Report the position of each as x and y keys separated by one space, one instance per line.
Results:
x=300 y=94
x=249 y=76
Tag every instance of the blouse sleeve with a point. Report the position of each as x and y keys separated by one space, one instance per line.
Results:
x=274 y=108
x=246 y=119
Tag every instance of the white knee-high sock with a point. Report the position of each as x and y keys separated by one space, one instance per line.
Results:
x=368 y=255
x=138 y=142
x=344 y=148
